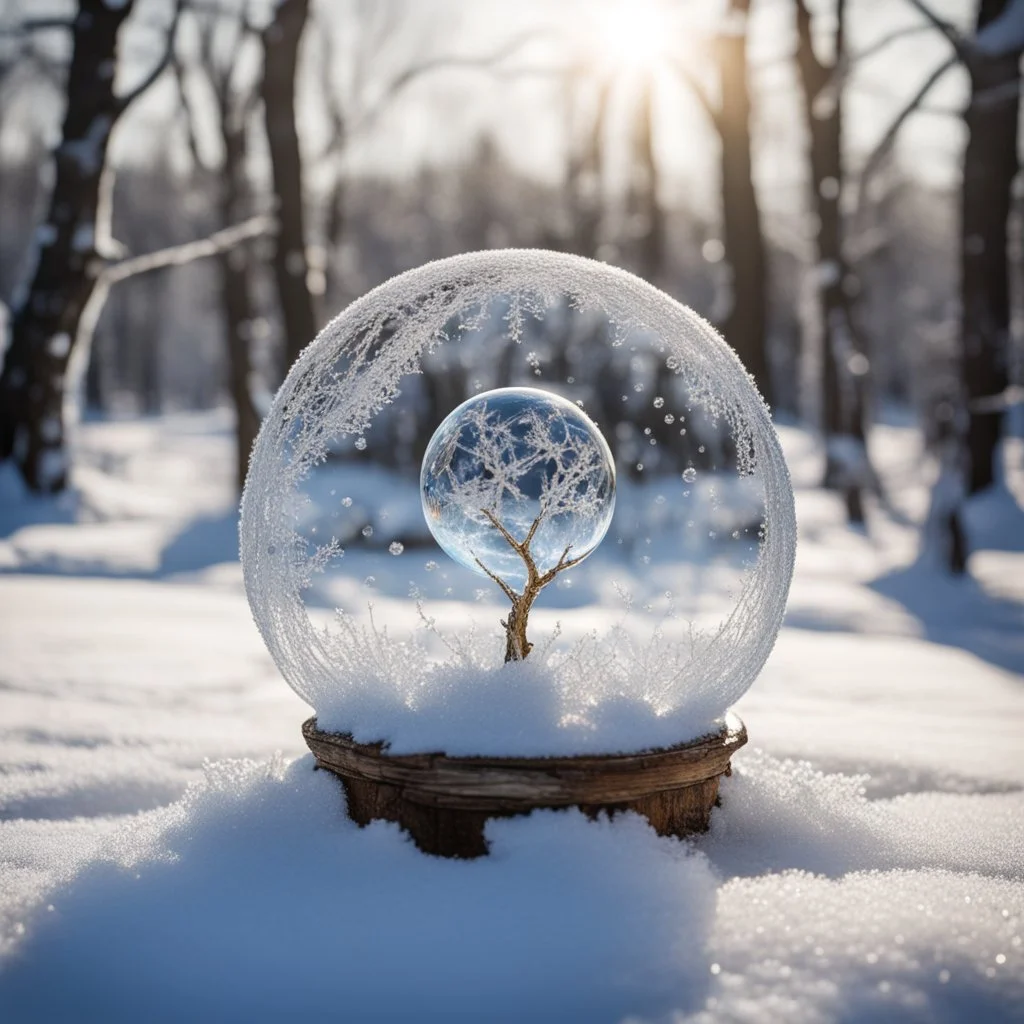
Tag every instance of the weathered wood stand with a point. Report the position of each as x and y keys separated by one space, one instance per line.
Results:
x=444 y=802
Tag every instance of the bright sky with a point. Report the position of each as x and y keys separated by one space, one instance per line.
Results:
x=440 y=117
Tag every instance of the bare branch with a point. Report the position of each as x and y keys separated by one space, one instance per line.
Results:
x=886 y=41
x=410 y=74
x=176 y=255
x=879 y=153
x=949 y=31
x=133 y=94
x=509 y=592
x=500 y=527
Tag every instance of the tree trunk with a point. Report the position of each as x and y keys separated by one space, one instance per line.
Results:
x=990 y=166
x=235 y=297
x=745 y=326
x=45 y=323
x=280 y=61
x=649 y=232
x=844 y=365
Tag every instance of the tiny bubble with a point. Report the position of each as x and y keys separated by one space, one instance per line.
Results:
x=669 y=418
x=689 y=474
x=647 y=430
x=659 y=402
x=646 y=559
x=271 y=549
x=735 y=534
x=639 y=467
x=367 y=530
x=682 y=432
x=396 y=547
x=638 y=387
x=701 y=449
x=361 y=444
x=660 y=499
x=570 y=380
x=943 y=977
x=430 y=566
x=347 y=502
x=369 y=581
x=334 y=491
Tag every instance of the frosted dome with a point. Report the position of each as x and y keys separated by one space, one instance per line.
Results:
x=647 y=643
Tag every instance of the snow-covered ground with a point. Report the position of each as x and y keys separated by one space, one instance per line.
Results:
x=867 y=862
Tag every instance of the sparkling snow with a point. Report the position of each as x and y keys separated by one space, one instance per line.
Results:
x=867 y=862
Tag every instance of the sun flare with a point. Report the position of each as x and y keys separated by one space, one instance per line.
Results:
x=631 y=34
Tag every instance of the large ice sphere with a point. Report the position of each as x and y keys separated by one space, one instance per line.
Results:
x=523 y=465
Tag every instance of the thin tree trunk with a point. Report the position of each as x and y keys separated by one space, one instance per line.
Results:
x=235 y=296
x=844 y=365
x=45 y=323
x=280 y=47
x=990 y=166
x=651 y=219
x=745 y=326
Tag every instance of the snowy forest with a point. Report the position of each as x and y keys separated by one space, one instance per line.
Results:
x=191 y=190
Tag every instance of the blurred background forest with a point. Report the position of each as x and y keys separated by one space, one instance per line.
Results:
x=189 y=189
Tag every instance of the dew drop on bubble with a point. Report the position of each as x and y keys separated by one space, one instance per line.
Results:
x=396 y=547
x=367 y=530
x=361 y=444
x=659 y=402
x=689 y=474
x=347 y=502
x=513 y=457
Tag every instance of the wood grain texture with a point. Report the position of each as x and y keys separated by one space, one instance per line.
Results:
x=444 y=802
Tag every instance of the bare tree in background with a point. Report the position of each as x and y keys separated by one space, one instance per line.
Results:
x=844 y=363
x=222 y=41
x=281 y=40
x=745 y=325
x=645 y=216
x=45 y=321
x=991 y=57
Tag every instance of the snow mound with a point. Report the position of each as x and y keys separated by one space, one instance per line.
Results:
x=254 y=898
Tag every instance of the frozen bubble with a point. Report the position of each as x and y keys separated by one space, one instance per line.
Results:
x=689 y=474
x=512 y=461
x=659 y=402
x=367 y=530
x=396 y=547
x=361 y=443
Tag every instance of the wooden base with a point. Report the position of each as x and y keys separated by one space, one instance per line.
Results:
x=444 y=802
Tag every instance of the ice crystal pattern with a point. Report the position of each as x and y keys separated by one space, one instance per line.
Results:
x=353 y=369
x=523 y=461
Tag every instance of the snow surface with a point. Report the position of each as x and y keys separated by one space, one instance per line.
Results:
x=866 y=863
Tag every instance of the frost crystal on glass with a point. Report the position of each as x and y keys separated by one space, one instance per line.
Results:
x=613 y=674
x=523 y=461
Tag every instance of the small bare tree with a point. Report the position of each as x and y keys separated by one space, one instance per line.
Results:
x=525 y=474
